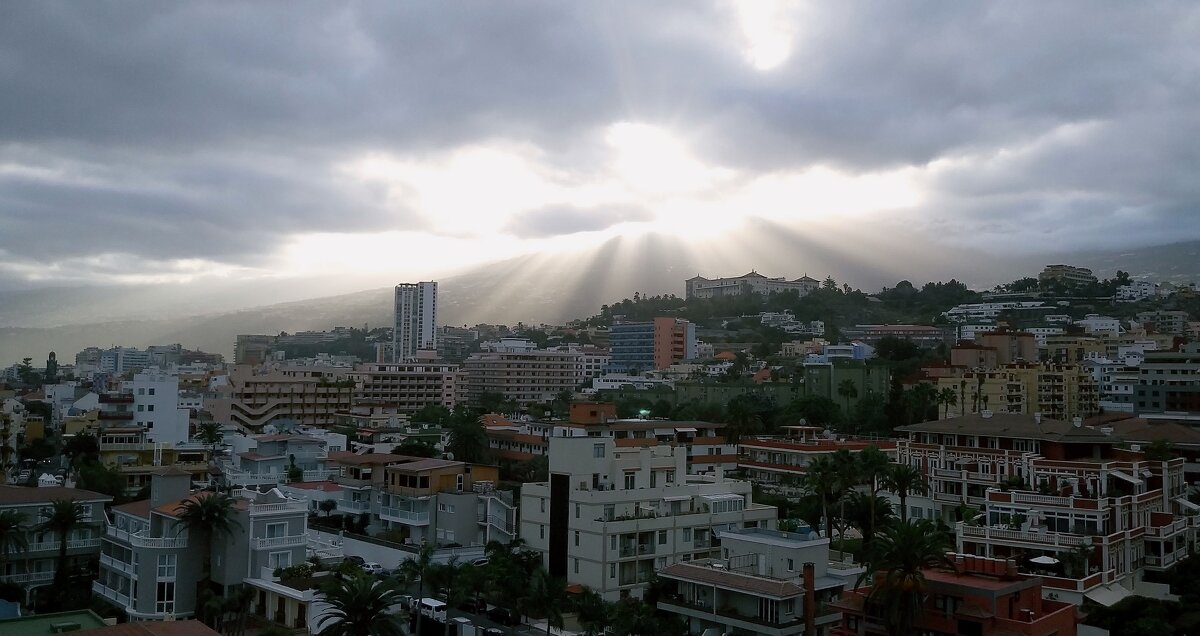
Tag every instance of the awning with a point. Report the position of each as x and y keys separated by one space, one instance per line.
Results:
x=677 y=498
x=1127 y=477
x=685 y=430
x=1108 y=595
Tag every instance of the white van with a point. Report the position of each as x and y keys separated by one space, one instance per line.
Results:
x=432 y=608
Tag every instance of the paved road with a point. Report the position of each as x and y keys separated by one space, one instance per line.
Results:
x=478 y=620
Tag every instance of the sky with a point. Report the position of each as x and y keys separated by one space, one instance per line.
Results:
x=153 y=142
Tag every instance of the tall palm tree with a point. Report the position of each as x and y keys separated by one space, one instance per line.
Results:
x=546 y=596
x=872 y=465
x=359 y=607
x=865 y=510
x=417 y=569
x=896 y=568
x=65 y=516
x=847 y=389
x=742 y=419
x=821 y=480
x=210 y=435
x=207 y=516
x=846 y=471
x=904 y=480
x=947 y=398
x=12 y=535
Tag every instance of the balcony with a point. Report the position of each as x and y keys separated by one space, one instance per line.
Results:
x=138 y=540
x=1005 y=535
x=29 y=577
x=290 y=541
x=122 y=398
x=118 y=565
x=272 y=508
x=122 y=600
x=948 y=497
x=400 y=515
x=354 y=505
x=115 y=415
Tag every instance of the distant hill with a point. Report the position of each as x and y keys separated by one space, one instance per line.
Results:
x=544 y=288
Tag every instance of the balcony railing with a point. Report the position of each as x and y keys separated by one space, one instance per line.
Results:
x=29 y=577
x=115 y=415
x=138 y=540
x=281 y=542
x=1005 y=534
x=116 y=564
x=286 y=506
x=400 y=515
x=121 y=600
x=354 y=506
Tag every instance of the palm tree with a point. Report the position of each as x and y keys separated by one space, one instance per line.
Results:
x=848 y=391
x=207 y=516
x=468 y=440
x=359 y=606
x=594 y=613
x=65 y=516
x=846 y=471
x=873 y=464
x=865 y=510
x=547 y=595
x=417 y=569
x=742 y=419
x=821 y=480
x=947 y=398
x=904 y=480
x=210 y=434
x=896 y=568
x=12 y=536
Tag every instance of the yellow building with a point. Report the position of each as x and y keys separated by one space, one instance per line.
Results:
x=1073 y=349
x=128 y=450
x=1058 y=391
x=996 y=390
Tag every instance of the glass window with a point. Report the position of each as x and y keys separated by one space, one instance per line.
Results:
x=629 y=480
x=598 y=450
x=165 y=599
x=577 y=538
x=279 y=560
x=166 y=566
x=151 y=391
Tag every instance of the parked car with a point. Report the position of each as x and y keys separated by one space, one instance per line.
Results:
x=504 y=616
x=356 y=560
x=372 y=567
x=480 y=562
x=474 y=606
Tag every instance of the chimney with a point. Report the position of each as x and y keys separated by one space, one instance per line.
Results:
x=1037 y=417
x=1010 y=568
x=169 y=484
x=810 y=599
x=960 y=562
x=1077 y=421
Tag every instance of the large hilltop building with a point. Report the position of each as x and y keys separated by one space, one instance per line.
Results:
x=752 y=283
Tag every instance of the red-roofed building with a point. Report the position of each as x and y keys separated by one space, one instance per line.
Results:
x=979 y=597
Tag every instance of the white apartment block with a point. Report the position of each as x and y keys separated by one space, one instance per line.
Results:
x=149 y=402
x=415 y=327
x=523 y=375
x=1139 y=290
x=34 y=567
x=990 y=311
x=1095 y=324
x=610 y=518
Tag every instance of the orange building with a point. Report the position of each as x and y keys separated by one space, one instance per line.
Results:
x=978 y=597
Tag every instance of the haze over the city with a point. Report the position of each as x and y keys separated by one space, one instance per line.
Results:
x=263 y=153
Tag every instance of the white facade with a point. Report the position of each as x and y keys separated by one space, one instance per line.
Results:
x=989 y=311
x=1096 y=324
x=630 y=513
x=415 y=326
x=156 y=407
x=1136 y=291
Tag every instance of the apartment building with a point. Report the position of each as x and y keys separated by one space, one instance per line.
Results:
x=308 y=396
x=1010 y=346
x=1162 y=321
x=981 y=596
x=136 y=457
x=415 y=327
x=1067 y=274
x=766 y=582
x=1169 y=381
x=751 y=283
x=655 y=344
x=1049 y=488
x=151 y=562
x=522 y=374
x=1059 y=391
x=274 y=458
x=253 y=349
x=405 y=387
x=150 y=402
x=779 y=463
x=425 y=499
x=1097 y=325
x=34 y=567
x=1073 y=349
x=610 y=518
x=925 y=336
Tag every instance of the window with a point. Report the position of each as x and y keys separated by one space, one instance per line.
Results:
x=165 y=600
x=598 y=450
x=151 y=391
x=662 y=537
x=541 y=531
x=166 y=566
x=687 y=534
x=670 y=476
x=543 y=502
x=575 y=565
x=791 y=565
x=150 y=407
x=577 y=541
x=629 y=480
x=612 y=542
x=578 y=508
x=444 y=507
x=279 y=560
x=612 y=570
x=141 y=408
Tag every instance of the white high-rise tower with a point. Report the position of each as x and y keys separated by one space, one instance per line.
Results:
x=416 y=320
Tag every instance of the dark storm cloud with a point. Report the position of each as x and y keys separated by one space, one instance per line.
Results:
x=213 y=130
